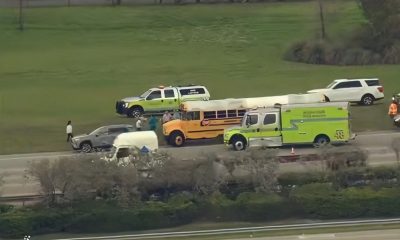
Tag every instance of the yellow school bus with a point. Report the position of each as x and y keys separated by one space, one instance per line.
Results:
x=209 y=119
x=203 y=119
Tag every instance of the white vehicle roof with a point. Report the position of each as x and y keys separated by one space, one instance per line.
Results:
x=249 y=103
x=178 y=87
x=343 y=105
x=138 y=139
x=354 y=79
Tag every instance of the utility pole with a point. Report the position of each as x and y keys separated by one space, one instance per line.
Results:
x=321 y=16
x=20 y=17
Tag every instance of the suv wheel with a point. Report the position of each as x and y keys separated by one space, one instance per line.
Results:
x=86 y=147
x=367 y=100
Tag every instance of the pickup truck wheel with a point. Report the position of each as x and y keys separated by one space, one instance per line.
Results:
x=177 y=139
x=86 y=147
x=321 y=140
x=367 y=99
x=134 y=112
x=238 y=143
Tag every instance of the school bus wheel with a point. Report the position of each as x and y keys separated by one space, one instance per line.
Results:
x=238 y=143
x=177 y=139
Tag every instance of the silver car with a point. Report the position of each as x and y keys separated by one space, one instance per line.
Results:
x=101 y=138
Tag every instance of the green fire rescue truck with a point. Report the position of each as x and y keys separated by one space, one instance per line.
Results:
x=316 y=123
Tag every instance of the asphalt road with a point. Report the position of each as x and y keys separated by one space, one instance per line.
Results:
x=13 y=167
x=374 y=229
x=392 y=234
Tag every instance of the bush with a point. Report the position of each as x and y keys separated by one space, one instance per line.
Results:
x=261 y=206
x=290 y=179
x=33 y=221
x=99 y=217
x=5 y=208
x=220 y=207
x=321 y=200
x=323 y=52
x=250 y=206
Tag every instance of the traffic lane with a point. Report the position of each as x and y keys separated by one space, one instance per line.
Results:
x=391 y=234
x=375 y=140
x=383 y=138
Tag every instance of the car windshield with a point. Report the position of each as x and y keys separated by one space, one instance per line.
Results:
x=145 y=94
x=98 y=131
x=331 y=84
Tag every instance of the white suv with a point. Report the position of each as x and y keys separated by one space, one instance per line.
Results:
x=363 y=91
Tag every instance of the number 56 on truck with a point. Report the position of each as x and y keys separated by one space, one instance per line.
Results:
x=316 y=123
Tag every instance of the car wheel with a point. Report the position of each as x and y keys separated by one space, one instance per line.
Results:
x=177 y=139
x=367 y=99
x=321 y=140
x=238 y=143
x=134 y=112
x=86 y=147
x=397 y=123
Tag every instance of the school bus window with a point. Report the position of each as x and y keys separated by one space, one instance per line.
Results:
x=232 y=113
x=196 y=115
x=210 y=115
x=241 y=112
x=221 y=114
x=191 y=116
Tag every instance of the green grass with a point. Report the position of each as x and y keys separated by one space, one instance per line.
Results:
x=74 y=63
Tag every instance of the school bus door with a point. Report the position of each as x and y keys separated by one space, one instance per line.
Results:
x=191 y=124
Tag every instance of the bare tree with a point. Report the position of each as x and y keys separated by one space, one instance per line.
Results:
x=20 y=15
x=262 y=165
x=322 y=19
x=46 y=174
x=85 y=177
x=338 y=158
x=208 y=174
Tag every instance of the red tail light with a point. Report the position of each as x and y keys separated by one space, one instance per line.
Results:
x=380 y=89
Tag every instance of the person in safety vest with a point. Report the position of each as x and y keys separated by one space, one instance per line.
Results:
x=393 y=108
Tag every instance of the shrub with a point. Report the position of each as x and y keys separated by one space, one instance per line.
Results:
x=261 y=206
x=290 y=179
x=321 y=200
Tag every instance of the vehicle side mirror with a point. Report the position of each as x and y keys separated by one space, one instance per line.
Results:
x=149 y=98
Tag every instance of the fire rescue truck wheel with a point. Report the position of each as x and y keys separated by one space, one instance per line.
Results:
x=238 y=143
x=321 y=140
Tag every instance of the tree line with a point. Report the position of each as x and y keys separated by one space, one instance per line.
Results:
x=377 y=41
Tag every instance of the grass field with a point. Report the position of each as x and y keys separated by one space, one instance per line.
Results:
x=74 y=63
